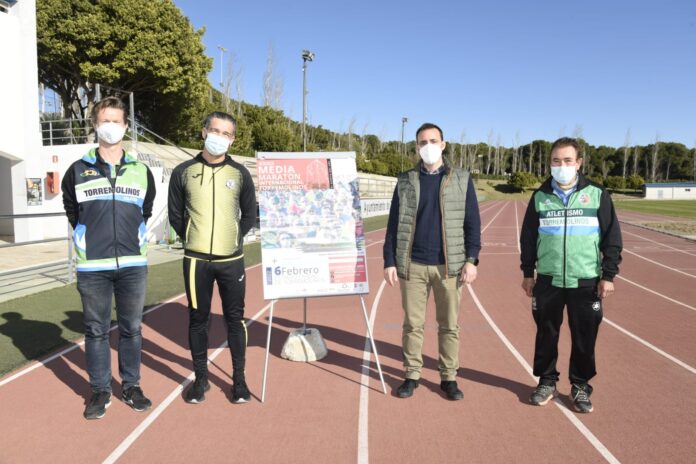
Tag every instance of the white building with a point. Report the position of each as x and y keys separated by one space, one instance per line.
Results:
x=20 y=133
x=670 y=191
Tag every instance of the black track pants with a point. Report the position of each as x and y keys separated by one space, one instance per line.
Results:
x=584 y=317
x=199 y=276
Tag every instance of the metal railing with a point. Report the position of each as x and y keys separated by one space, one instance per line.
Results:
x=68 y=238
x=79 y=131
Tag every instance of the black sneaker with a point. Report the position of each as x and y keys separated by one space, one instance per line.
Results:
x=134 y=397
x=196 y=393
x=580 y=397
x=240 y=391
x=451 y=390
x=405 y=390
x=542 y=394
x=96 y=408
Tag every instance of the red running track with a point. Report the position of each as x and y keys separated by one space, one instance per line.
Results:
x=334 y=410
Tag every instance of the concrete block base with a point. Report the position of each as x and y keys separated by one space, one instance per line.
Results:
x=304 y=347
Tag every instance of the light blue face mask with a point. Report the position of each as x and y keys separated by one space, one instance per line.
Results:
x=216 y=145
x=564 y=175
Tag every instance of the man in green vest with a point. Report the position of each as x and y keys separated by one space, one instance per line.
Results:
x=571 y=237
x=432 y=242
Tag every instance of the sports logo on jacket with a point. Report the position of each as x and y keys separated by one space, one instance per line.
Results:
x=230 y=183
x=89 y=172
x=584 y=199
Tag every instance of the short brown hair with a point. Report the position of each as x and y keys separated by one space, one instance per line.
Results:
x=429 y=125
x=567 y=142
x=109 y=102
x=222 y=116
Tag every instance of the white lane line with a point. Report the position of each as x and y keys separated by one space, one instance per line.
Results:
x=497 y=214
x=517 y=231
x=130 y=439
x=594 y=441
x=43 y=362
x=488 y=208
x=651 y=346
x=135 y=434
x=657 y=293
x=660 y=264
x=655 y=241
x=363 y=416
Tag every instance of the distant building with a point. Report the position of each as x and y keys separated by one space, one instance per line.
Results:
x=670 y=191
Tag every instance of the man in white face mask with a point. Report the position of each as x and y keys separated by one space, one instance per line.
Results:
x=433 y=241
x=212 y=205
x=108 y=197
x=571 y=238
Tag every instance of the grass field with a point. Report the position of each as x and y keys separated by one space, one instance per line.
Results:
x=35 y=325
x=674 y=208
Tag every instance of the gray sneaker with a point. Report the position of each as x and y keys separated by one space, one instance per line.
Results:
x=580 y=397
x=542 y=394
x=96 y=408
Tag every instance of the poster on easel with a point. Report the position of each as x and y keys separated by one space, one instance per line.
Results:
x=312 y=237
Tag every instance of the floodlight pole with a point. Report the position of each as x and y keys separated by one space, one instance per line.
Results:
x=306 y=56
x=222 y=56
x=404 y=120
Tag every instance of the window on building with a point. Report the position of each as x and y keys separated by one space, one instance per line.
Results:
x=5 y=5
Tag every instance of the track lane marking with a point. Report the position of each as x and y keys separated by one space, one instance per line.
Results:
x=660 y=264
x=661 y=244
x=651 y=346
x=594 y=441
x=76 y=345
x=135 y=434
x=656 y=293
x=363 y=416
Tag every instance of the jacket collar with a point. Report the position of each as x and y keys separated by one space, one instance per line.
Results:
x=92 y=157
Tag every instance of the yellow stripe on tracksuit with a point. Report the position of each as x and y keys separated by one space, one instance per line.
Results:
x=192 y=283
x=192 y=279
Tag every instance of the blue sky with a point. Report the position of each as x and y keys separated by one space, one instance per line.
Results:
x=538 y=68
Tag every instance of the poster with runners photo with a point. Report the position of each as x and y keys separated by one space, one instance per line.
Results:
x=312 y=238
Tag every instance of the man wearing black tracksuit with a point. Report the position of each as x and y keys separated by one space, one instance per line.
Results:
x=212 y=205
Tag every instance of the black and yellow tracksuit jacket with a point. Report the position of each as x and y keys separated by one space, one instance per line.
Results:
x=212 y=207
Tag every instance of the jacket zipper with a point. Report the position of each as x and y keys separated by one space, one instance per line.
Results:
x=212 y=228
x=565 y=234
x=442 y=222
x=113 y=209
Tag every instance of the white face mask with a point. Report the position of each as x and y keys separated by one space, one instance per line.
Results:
x=430 y=153
x=564 y=175
x=111 y=132
x=216 y=145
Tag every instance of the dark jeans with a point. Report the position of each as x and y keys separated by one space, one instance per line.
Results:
x=584 y=317
x=199 y=276
x=96 y=287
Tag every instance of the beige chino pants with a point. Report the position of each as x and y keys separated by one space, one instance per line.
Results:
x=414 y=298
